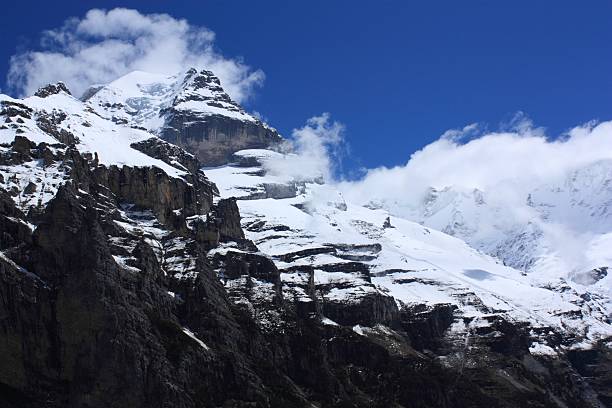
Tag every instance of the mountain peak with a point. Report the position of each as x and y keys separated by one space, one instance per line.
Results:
x=205 y=87
x=204 y=74
x=52 y=89
x=190 y=109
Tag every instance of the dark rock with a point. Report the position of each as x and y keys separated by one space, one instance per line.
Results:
x=369 y=309
x=168 y=153
x=146 y=260
x=15 y=109
x=91 y=91
x=50 y=123
x=206 y=233
x=212 y=138
x=47 y=156
x=357 y=268
x=292 y=256
x=595 y=365
x=280 y=191
x=30 y=188
x=228 y=220
x=425 y=326
x=367 y=248
x=387 y=223
x=22 y=146
x=252 y=265
x=151 y=187
x=52 y=89
x=245 y=161
x=13 y=228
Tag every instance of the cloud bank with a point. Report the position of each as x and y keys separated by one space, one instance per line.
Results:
x=517 y=160
x=104 y=45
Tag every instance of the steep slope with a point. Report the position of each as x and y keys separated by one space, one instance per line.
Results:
x=107 y=295
x=102 y=283
x=188 y=109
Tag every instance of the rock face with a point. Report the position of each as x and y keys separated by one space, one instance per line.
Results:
x=190 y=110
x=213 y=139
x=52 y=89
x=126 y=281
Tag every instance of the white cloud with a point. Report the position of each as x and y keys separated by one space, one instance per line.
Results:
x=540 y=203
x=524 y=158
x=511 y=162
x=103 y=45
x=316 y=149
x=457 y=135
x=568 y=174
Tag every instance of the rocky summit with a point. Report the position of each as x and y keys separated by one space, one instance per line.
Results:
x=188 y=109
x=130 y=277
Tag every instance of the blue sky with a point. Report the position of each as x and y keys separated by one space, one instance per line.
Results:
x=396 y=74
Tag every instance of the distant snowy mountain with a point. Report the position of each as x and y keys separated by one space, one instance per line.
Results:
x=559 y=233
x=189 y=109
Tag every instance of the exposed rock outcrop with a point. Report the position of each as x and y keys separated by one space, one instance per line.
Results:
x=214 y=138
x=52 y=89
x=168 y=153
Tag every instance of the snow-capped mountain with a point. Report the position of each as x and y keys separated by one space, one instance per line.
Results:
x=133 y=274
x=189 y=109
x=558 y=233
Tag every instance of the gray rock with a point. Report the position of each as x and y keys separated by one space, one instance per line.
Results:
x=214 y=138
x=52 y=89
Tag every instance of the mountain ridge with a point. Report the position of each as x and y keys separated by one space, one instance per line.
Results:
x=129 y=276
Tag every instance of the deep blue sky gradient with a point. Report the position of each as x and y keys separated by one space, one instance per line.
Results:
x=396 y=73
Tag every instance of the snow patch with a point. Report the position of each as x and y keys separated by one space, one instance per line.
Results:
x=193 y=336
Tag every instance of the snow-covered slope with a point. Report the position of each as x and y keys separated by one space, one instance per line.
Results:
x=59 y=120
x=358 y=251
x=71 y=118
x=113 y=237
x=559 y=232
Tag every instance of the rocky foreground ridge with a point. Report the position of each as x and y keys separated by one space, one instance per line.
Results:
x=129 y=279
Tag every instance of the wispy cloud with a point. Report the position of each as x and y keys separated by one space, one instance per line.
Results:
x=316 y=150
x=104 y=45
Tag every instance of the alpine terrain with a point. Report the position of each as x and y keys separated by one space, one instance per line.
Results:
x=155 y=254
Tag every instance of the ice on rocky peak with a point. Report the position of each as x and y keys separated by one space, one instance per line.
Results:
x=141 y=98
